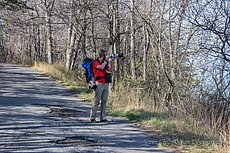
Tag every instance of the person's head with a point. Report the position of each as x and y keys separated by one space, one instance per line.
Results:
x=102 y=53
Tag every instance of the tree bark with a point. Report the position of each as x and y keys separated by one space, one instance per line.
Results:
x=49 y=8
x=69 y=48
x=132 y=42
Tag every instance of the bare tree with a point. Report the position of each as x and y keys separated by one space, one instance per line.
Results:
x=132 y=40
x=49 y=6
x=212 y=20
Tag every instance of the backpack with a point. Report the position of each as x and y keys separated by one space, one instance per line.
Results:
x=87 y=65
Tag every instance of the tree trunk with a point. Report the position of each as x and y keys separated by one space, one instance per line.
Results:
x=116 y=45
x=70 y=41
x=69 y=48
x=84 y=29
x=93 y=33
x=76 y=52
x=49 y=8
x=146 y=44
x=132 y=43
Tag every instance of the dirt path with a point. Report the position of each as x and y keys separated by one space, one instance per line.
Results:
x=40 y=115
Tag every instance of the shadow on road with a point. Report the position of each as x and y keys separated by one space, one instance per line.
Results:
x=39 y=115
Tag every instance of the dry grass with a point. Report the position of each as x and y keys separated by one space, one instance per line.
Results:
x=58 y=72
x=70 y=79
x=181 y=133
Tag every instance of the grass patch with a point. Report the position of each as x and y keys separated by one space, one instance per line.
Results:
x=170 y=132
x=114 y=112
x=78 y=90
x=161 y=121
x=165 y=125
x=133 y=115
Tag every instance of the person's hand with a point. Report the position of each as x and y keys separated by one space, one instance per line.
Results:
x=107 y=57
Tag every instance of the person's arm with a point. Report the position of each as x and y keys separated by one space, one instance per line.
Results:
x=105 y=62
x=108 y=68
x=102 y=66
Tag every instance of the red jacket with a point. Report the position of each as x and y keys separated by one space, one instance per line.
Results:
x=99 y=75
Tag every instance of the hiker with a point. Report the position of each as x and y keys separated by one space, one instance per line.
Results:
x=101 y=69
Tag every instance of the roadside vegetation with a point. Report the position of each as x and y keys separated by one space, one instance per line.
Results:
x=180 y=133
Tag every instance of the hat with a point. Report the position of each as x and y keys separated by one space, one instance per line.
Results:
x=102 y=52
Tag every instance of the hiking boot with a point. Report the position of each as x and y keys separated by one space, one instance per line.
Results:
x=92 y=120
x=103 y=120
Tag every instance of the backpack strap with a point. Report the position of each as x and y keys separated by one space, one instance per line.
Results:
x=98 y=78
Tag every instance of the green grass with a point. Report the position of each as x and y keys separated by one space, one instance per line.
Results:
x=159 y=120
x=133 y=115
x=165 y=125
x=112 y=111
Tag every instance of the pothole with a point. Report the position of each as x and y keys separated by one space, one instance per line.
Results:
x=48 y=105
x=79 y=140
x=60 y=111
x=64 y=112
